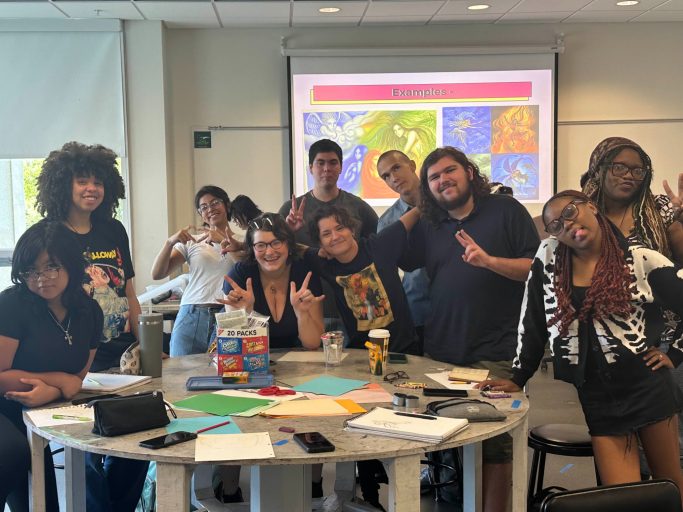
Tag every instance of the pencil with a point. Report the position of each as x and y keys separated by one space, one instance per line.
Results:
x=211 y=427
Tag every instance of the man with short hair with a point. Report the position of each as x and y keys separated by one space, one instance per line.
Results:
x=325 y=162
x=477 y=249
x=398 y=172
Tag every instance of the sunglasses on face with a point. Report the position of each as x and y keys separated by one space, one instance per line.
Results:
x=569 y=212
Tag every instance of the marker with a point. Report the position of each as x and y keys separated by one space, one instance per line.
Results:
x=421 y=416
x=67 y=417
x=212 y=427
x=93 y=381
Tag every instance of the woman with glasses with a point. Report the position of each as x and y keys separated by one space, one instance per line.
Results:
x=49 y=331
x=80 y=186
x=273 y=281
x=618 y=181
x=596 y=301
x=194 y=324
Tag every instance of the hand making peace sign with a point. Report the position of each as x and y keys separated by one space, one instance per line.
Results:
x=295 y=218
x=676 y=200
x=474 y=255
x=239 y=298
x=303 y=299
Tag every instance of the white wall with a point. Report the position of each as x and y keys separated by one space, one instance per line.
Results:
x=608 y=75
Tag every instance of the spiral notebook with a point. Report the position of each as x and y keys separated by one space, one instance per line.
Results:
x=416 y=427
x=111 y=382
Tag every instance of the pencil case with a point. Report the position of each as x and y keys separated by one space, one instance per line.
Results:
x=128 y=414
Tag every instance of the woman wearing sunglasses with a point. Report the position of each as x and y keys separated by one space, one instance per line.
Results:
x=194 y=324
x=49 y=331
x=273 y=281
x=596 y=301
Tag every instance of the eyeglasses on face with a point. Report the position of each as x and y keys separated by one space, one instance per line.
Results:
x=569 y=212
x=620 y=170
x=262 y=246
x=203 y=208
x=50 y=272
x=391 y=377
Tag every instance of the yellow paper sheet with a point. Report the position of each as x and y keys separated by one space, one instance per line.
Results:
x=221 y=447
x=322 y=407
x=350 y=406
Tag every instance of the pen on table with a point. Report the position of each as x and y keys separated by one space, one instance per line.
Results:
x=211 y=427
x=97 y=383
x=67 y=417
x=421 y=416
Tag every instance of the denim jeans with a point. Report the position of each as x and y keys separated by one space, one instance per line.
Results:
x=192 y=329
x=113 y=484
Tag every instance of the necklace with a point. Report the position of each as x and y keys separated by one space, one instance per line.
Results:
x=78 y=232
x=67 y=335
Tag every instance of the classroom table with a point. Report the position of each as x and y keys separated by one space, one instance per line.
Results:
x=287 y=477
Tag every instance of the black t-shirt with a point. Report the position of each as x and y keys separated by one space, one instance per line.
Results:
x=368 y=290
x=107 y=251
x=474 y=311
x=42 y=344
x=285 y=333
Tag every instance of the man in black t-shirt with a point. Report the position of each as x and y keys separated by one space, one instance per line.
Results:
x=477 y=249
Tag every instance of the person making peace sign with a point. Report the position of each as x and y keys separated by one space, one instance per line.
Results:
x=273 y=281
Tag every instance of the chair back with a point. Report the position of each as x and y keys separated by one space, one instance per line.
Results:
x=647 y=496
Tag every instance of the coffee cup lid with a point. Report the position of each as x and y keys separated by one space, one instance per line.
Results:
x=379 y=333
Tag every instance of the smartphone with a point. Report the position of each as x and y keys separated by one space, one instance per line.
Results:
x=396 y=358
x=168 y=440
x=459 y=393
x=313 y=442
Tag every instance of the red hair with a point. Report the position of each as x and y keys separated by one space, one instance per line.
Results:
x=609 y=291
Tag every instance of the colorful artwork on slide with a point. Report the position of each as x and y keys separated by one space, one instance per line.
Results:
x=364 y=136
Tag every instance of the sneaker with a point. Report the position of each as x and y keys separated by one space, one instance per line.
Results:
x=235 y=497
x=317 y=489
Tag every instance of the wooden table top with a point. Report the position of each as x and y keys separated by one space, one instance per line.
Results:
x=349 y=446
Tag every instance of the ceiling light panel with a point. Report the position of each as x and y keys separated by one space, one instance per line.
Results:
x=389 y=8
x=312 y=9
x=611 y=5
x=461 y=7
x=542 y=6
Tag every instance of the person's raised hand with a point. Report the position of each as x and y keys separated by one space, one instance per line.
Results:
x=239 y=298
x=303 y=299
x=183 y=236
x=474 y=255
x=229 y=244
x=295 y=218
x=676 y=199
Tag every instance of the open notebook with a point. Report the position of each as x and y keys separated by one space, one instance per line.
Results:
x=111 y=382
x=417 y=427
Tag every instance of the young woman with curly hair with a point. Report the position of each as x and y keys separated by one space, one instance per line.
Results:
x=596 y=301
x=80 y=186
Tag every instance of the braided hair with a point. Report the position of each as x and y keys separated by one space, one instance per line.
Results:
x=609 y=291
x=648 y=226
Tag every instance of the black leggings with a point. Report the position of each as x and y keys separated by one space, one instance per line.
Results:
x=15 y=462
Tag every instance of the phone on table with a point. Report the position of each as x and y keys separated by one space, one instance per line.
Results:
x=396 y=358
x=313 y=442
x=168 y=440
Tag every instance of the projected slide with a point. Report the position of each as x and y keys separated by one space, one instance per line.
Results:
x=501 y=119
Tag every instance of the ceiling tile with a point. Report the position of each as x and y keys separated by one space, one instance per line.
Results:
x=192 y=23
x=29 y=10
x=460 y=7
x=118 y=10
x=452 y=19
x=253 y=10
x=395 y=20
x=254 y=22
x=310 y=9
x=177 y=11
x=660 y=16
x=671 y=5
x=543 y=6
x=535 y=17
x=391 y=8
x=310 y=21
x=611 y=5
x=602 y=16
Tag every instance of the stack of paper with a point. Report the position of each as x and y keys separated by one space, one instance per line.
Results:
x=416 y=427
x=321 y=407
x=220 y=405
x=111 y=382
x=61 y=415
x=464 y=374
x=369 y=394
x=330 y=385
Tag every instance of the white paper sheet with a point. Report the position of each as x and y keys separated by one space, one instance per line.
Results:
x=442 y=378
x=44 y=417
x=233 y=447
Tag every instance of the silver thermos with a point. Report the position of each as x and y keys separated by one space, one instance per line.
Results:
x=151 y=336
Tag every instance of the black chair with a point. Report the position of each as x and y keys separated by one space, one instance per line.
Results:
x=556 y=439
x=647 y=496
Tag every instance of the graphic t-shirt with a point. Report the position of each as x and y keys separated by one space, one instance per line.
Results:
x=105 y=248
x=368 y=290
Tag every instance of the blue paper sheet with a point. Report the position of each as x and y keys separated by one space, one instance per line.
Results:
x=194 y=424
x=329 y=385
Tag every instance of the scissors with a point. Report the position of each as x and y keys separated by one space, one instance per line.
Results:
x=275 y=391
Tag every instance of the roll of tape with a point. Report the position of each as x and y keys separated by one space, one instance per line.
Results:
x=412 y=402
x=399 y=399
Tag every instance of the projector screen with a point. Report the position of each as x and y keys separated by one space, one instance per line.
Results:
x=503 y=119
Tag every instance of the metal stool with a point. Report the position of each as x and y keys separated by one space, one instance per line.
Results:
x=556 y=439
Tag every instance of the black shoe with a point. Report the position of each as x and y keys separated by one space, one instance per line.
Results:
x=235 y=497
x=317 y=489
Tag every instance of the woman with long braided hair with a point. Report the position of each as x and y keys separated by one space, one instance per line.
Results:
x=596 y=300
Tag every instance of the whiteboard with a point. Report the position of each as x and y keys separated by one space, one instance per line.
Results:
x=250 y=161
